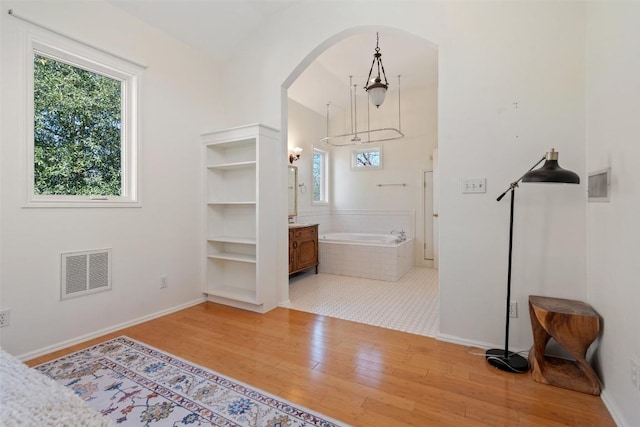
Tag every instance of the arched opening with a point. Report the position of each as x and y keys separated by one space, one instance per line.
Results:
x=393 y=197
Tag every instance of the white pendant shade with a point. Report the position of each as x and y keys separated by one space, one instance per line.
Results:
x=377 y=95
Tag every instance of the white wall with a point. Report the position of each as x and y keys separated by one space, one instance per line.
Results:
x=306 y=127
x=531 y=54
x=160 y=238
x=613 y=104
x=404 y=160
x=491 y=55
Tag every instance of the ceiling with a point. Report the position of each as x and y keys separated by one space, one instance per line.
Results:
x=216 y=27
x=413 y=58
x=219 y=27
x=402 y=54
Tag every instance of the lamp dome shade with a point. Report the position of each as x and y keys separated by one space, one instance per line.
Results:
x=377 y=93
x=551 y=172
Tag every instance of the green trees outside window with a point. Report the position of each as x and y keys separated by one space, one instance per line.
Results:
x=319 y=176
x=77 y=130
x=368 y=159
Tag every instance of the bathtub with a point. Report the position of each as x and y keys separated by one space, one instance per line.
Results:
x=359 y=238
x=371 y=256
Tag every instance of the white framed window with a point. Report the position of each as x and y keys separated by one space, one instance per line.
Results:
x=81 y=142
x=320 y=194
x=366 y=158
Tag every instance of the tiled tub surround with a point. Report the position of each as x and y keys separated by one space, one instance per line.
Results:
x=365 y=255
x=361 y=221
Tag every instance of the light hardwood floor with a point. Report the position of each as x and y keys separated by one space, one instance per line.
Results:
x=360 y=374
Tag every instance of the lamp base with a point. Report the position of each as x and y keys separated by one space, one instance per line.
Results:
x=513 y=363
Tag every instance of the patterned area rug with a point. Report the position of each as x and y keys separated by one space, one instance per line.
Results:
x=137 y=385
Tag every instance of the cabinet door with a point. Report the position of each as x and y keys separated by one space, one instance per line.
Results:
x=307 y=254
x=291 y=251
x=307 y=247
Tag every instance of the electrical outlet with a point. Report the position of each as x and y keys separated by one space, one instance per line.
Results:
x=164 y=282
x=635 y=374
x=513 y=309
x=4 y=318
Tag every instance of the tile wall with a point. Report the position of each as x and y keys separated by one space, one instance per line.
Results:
x=388 y=263
x=361 y=221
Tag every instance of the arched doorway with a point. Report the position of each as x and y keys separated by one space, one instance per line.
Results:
x=403 y=53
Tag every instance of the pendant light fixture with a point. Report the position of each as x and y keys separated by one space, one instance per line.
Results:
x=375 y=88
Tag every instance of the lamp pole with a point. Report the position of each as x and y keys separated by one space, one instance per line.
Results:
x=500 y=358
x=549 y=172
x=506 y=332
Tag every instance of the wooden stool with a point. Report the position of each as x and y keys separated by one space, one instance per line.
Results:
x=574 y=325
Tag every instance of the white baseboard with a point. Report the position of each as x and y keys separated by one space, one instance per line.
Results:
x=68 y=343
x=613 y=409
x=480 y=344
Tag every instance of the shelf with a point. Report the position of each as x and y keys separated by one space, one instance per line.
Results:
x=232 y=143
x=232 y=256
x=238 y=202
x=232 y=239
x=231 y=152
x=234 y=220
x=242 y=295
x=232 y=166
x=233 y=203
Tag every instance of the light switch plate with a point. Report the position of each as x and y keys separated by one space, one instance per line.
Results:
x=474 y=185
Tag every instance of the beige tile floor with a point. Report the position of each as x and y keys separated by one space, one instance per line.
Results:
x=408 y=305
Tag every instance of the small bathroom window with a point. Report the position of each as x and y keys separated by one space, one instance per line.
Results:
x=366 y=158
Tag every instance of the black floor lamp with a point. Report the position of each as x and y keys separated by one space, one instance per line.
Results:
x=549 y=172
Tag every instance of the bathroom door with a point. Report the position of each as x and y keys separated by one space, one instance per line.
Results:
x=427 y=209
x=436 y=207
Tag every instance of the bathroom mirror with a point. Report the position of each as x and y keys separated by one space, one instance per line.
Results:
x=292 y=190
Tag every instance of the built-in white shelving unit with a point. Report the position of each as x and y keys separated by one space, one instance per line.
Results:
x=240 y=164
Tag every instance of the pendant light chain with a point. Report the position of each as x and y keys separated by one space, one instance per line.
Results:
x=378 y=54
x=366 y=84
x=377 y=89
x=380 y=65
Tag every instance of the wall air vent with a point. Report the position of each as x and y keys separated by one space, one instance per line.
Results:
x=599 y=185
x=85 y=273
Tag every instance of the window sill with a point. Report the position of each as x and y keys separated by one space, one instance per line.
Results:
x=82 y=204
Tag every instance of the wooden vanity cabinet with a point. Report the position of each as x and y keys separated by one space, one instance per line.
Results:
x=303 y=248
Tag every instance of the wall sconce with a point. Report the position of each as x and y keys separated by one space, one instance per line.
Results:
x=295 y=155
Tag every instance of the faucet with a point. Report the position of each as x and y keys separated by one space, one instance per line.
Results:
x=402 y=235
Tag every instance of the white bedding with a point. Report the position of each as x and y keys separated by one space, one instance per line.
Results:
x=28 y=398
